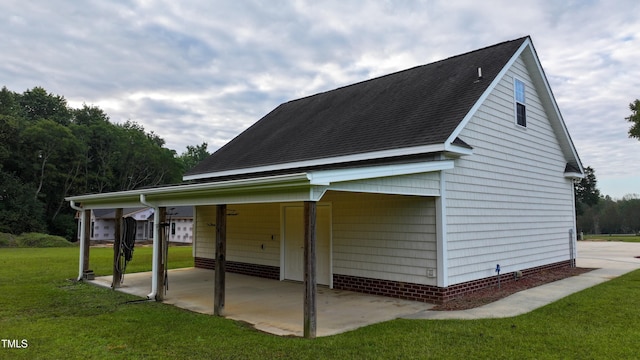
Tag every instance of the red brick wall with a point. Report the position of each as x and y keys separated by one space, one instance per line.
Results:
x=395 y=289
x=427 y=293
x=269 y=272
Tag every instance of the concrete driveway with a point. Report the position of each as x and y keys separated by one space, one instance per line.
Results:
x=610 y=259
x=277 y=306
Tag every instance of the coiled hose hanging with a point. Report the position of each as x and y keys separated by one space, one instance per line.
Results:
x=126 y=245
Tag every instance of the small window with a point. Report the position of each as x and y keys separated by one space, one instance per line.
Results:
x=173 y=228
x=521 y=109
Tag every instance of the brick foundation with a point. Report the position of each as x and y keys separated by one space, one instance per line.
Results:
x=395 y=289
x=428 y=293
x=264 y=271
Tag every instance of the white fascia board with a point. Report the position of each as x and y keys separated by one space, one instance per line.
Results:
x=574 y=175
x=107 y=201
x=486 y=93
x=317 y=181
x=458 y=150
x=326 y=177
x=129 y=197
x=425 y=149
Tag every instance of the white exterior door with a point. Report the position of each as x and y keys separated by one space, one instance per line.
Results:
x=294 y=243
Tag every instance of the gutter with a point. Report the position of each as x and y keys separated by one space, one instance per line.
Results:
x=156 y=247
x=381 y=154
x=107 y=200
x=82 y=234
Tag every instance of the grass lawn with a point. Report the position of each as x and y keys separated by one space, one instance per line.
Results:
x=607 y=237
x=62 y=319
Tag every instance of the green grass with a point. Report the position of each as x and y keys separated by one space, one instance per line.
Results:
x=63 y=319
x=101 y=259
x=614 y=237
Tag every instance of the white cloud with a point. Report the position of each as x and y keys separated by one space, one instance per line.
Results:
x=194 y=71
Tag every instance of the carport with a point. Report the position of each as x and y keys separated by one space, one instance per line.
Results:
x=305 y=188
x=269 y=305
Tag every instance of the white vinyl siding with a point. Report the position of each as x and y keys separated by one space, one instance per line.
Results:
x=381 y=236
x=204 y=244
x=425 y=184
x=253 y=233
x=509 y=202
x=389 y=237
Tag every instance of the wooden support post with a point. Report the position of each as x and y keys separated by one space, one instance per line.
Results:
x=310 y=279
x=117 y=272
x=161 y=260
x=87 y=239
x=221 y=260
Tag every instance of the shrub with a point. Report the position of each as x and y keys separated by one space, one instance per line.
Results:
x=41 y=240
x=7 y=240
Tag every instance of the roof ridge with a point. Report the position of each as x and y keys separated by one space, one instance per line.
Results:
x=408 y=69
x=482 y=49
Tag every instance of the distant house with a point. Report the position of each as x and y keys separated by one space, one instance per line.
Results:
x=180 y=224
x=419 y=183
x=180 y=219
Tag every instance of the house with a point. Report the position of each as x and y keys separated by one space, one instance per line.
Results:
x=420 y=184
x=180 y=220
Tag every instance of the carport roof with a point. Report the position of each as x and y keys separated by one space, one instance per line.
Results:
x=301 y=186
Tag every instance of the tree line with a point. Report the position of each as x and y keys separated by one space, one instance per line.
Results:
x=598 y=214
x=49 y=150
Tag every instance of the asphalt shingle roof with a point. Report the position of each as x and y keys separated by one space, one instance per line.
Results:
x=419 y=106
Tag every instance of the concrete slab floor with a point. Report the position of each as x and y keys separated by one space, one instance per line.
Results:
x=271 y=306
x=276 y=306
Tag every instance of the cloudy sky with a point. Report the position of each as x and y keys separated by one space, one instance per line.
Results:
x=203 y=70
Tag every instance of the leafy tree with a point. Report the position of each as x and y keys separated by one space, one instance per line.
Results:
x=8 y=104
x=193 y=156
x=586 y=192
x=587 y=198
x=9 y=131
x=10 y=125
x=53 y=149
x=89 y=115
x=49 y=151
x=20 y=212
x=38 y=104
x=630 y=211
x=609 y=216
x=100 y=139
x=142 y=159
x=634 y=118
x=612 y=216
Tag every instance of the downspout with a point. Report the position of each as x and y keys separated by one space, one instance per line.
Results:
x=156 y=247
x=573 y=231
x=82 y=232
